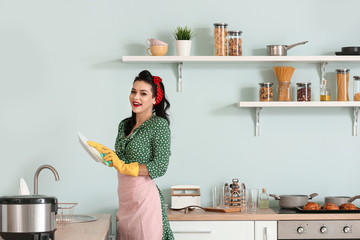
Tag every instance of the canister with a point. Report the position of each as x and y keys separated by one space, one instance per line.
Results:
x=220 y=37
x=303 y=92
x=234 y=43
x=342 y=84
x=266 y=93
x=356 y=88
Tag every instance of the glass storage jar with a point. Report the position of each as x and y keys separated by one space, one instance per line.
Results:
x=234 y=43
x=220 y=34
x=266 y=93
x=356 y=88
x=303 y=92
x=342 y=84
x=284 y=91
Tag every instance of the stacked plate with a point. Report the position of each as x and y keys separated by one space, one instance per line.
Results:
x=349 y=51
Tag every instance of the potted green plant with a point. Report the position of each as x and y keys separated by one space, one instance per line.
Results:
x=183 y=36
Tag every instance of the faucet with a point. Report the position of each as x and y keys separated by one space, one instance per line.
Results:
x=37 y=176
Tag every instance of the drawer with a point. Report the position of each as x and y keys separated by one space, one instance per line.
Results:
x=213 y=230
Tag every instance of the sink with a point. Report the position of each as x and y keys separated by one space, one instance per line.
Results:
x=75 y=218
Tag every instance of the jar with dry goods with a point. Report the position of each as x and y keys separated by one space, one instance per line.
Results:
x=266 y=93
x=234 y=43
x=342 y=84
x=356 y=88
x=220 y=37
x=303 y=92
x=284 y=91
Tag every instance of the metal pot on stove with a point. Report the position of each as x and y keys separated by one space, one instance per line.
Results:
x=28 y=217
x=293 y=201
x=338 y=200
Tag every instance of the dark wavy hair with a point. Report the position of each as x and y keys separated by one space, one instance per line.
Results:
x=159 y=110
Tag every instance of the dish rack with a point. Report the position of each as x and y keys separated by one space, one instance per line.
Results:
x=65 y=211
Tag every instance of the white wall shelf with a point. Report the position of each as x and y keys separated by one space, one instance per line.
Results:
x=180 y=60
x=293 y=104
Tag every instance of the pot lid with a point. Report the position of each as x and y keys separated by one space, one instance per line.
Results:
x=27 y=199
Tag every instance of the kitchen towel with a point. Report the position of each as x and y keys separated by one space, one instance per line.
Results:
x=23 y=190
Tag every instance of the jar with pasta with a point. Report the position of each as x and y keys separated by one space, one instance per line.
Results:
x=303 y=92
x=266 y=93
x=234 y=43
x=284 y=91
x=356 y=88
x=342 y=84
x=220 y=37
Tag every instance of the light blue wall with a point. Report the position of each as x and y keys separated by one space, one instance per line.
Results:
x=61 y=71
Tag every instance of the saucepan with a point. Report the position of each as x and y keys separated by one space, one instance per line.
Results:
x=281 y=50
x=293 y=201
x=338 y=200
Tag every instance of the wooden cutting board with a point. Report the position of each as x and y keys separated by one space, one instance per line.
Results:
x=226 y=210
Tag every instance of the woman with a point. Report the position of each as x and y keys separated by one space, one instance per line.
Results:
x=142 y=151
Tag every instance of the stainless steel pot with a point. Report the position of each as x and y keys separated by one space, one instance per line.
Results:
x=293 y=201
x=281 y=50
x=27 y=217
x=338 y=200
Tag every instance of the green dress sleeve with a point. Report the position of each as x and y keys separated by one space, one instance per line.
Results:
x=160 y=144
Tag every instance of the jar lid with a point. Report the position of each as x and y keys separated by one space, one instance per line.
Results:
x=266 y=84
x=345 y=70
x=235 y=33
x=356 y=77
x=303 y=84
x=220 y=24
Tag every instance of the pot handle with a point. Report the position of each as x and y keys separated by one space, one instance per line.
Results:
x=274 y=196
x=311 y=196
x=295 y=44
x=354 y=198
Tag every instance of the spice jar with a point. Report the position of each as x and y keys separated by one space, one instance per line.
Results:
x=234 y=43
x=342 y=81
x=356 y=88
x=266 y=93
x=220 y=34
x=303 y=92
x=284 y=91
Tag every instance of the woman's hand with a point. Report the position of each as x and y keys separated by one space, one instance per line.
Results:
x=131 y=169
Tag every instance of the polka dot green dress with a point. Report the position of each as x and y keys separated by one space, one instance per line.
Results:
x=149 y=144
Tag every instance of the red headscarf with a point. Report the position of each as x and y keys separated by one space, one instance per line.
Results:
x=160 y=93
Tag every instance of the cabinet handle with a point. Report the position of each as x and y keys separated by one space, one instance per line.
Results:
x=192 y=231
x=265 y=233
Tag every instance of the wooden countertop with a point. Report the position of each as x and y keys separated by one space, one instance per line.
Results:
x=260 y=215
x=96 y=230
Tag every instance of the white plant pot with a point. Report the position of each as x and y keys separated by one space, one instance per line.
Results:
x=183 y=47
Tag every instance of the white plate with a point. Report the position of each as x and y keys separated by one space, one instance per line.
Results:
x=90 y=150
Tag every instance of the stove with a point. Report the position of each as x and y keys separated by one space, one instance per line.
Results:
x=316 y=229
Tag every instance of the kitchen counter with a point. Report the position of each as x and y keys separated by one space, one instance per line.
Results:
x=96 y=230
x=260 y=215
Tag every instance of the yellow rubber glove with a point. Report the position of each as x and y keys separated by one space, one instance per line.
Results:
x=131 y=169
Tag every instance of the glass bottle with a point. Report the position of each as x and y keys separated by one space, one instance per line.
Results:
x=304 y=92
x=264 y=199
x=324 y=92
x=266 y=93
x=220 y=37
x=234 y=43
x=227 y=195
x=342 y=81
x=356 y=88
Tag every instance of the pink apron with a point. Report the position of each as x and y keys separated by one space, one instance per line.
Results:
x=139 y=211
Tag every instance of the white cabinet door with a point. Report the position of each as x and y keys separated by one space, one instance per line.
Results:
x=265 y=230
x=213 y=230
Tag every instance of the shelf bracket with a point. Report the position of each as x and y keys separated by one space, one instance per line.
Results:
x=257 y=123
x=323 y=72
x=355 y=123
x=180 y=65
